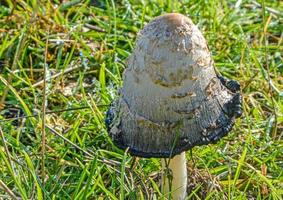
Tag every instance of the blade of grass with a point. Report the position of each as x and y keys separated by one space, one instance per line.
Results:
x=14 y=176
x=122 y=183
x=238 y=171
x=33 y=172
x=90 y=177
x=24 y=105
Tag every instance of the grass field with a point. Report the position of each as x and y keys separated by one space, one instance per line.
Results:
x=61 y=65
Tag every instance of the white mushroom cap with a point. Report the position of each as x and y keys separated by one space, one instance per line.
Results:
x=171 y=98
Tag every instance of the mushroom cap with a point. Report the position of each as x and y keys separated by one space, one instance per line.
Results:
x=171 y=99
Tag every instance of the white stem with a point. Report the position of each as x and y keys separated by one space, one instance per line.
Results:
x=178 y=186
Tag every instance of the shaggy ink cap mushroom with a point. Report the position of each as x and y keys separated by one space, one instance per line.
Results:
x=172 y=99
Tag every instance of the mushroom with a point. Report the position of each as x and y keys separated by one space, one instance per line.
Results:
x=172 y=99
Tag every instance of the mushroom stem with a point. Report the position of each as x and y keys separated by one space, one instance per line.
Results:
x=174 y=180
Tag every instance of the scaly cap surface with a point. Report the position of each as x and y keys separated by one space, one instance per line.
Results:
x=172 y=99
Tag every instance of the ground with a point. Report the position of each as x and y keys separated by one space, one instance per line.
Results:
x=53 y=141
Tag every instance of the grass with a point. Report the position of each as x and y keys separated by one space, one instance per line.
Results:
x=58 y=148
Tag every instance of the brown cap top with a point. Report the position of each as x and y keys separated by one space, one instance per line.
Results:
x=173 y=20
x=172 y=99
